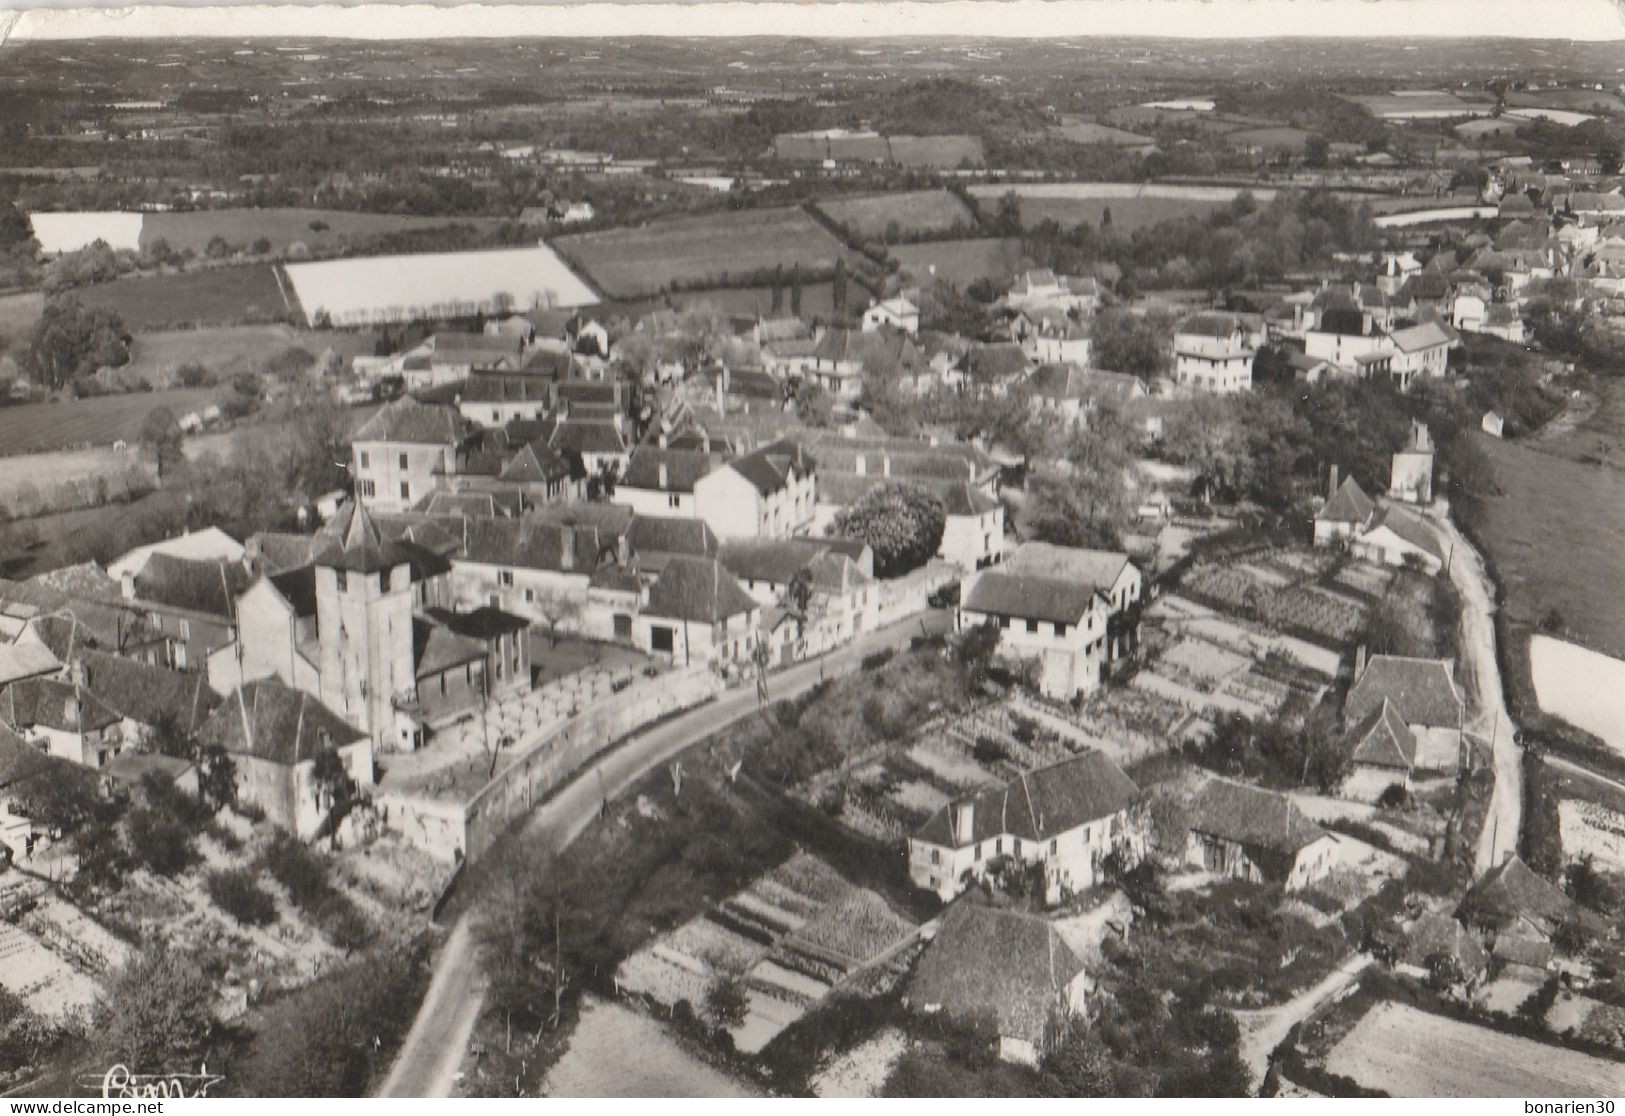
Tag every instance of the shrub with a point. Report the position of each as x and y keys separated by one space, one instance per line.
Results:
x=304 y=874
x=192 y=374
x=1393 y=797
x=877 y=659
x=158 y=842
x=237 y=892
x=989 y=751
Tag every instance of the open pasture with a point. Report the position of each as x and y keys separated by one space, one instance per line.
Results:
x=213 y=296
x=1410 y=1053
x=333 y=228
x=32 y=428
x=910 y=213
x=962 y=262
x=712 y=250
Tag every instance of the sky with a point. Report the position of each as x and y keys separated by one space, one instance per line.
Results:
x=1593 y=20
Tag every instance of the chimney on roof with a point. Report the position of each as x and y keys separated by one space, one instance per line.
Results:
x=567 y=556
x=862 y=465
x=964 y=821
x=70 y=710
x=665 y=475
x=1331 y=485
x=1359 y=661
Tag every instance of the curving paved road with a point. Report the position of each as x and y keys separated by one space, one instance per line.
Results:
x=433 y=1049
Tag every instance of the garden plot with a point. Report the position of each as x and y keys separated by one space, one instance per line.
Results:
x=789 y=938
x=949 y=765
x=1589 y=827
x=1365 y=578
x=1300 y=607
x=1410 y=1053
x=1504 y=994
x=45 y=982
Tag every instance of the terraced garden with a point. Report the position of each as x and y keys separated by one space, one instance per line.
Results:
x=789 y=938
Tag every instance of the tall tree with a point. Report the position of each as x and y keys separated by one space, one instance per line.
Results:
x=70 y=341
x=795 y=289
x=839 y=287
x=161 y=432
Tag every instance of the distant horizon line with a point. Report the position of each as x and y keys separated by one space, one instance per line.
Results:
x=1584 y=21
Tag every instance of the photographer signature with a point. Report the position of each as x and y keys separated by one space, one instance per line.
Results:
x=119 y=1083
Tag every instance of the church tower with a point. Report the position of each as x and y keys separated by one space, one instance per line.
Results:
x=364 y=625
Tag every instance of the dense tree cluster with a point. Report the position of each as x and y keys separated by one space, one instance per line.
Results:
x=902 y=523
x=71 y=341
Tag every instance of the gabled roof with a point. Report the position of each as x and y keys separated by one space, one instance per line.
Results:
x=1093 y=569
x=271 y=721
x=995 y=360
x=683 y=468
x=1513 y=893
x=983 y=959
x=775 y=561
x=210 y=588
x=536 y=463
x=1383 y=739
x=286 y=550
x=771 y=467
x=409 y=422
x=1039 y=804
x=24 y=658
x=1422 y=691
x=1410 y=527
x=532 y=543
x=873 y=350
x=1259 y=820
x=1349 y=504
x=698 y=590
x=1414 y=339
x=1433 y=934
x=145 y=693
x=652 y=534
x=54 y=703
x=1030 y=597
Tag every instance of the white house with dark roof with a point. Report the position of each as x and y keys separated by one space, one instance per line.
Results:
x=660 y=482
x=1110 y=574
x=769 y=494
x=895 y=313
x=1382 y=754
x=1419 y=350
x=273 y=734
x=1041 y=288
x=1345 y=514
x=1056 y=623
x=1066 y=816
x=1424 y=694
x=696 y=612
x=1213 y=352
x=399 y=454
x=1397 y=536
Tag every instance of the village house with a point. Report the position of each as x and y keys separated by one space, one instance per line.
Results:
x=1012 y=965
x=660 y=482
x=825 y=585
x=399 y=455
x=190 y=603
x=1432 y=939
x=1051 y=335
x=1071 y=393
x=1419 y=350
x=532 y=476
x=842 y=358
x=273 y=734
x=1424 y=695
x=497 y=398
x=771 y=493
x=1253 y=834
x=1345 y=514
x=61 y=718
x=893 y=313
x=210 y=544
x=1397 y=536
x=1118 y=582
x=528 y=566
x=696 y=612
x=1066 y=818
x=994 y=368
x=1058 y=625
x=1382 y=755
x=1512 y=904
x=1213 y=352
x=147 y=698
x=1041 y=289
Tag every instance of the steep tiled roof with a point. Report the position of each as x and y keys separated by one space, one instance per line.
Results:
x=1422 y=691
x=775 y=561
x=1349 y=504
x=145 y=693
x=532 y=543
x=1512 y=893
x=1433 y=934
x=1209 y=324
x=652 y=534
x=1259 y=820
x=1040 y=804
x=698 y=590
x=436 y=648
x=298 y=588
x=1410 y=527
x=56 y=704
x=408 y=421
x=771 y=467
x=995 y=361
x=536 y=463
x=986 y=960
x=210 y=588
x=1382 y=739
x=683 y=468
x=358 y=546
x=271 y=721
x=1030 y=597
x=1414 y=339
x=1093 y=569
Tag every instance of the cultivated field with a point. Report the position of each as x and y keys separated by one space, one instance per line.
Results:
x=910 y=213
x=713 y=250
x=285 y=227
x=1079 y=130
x=68 y=232
x=41 y=427
x=1585 y=688
x=374 y=289
x=962 y=261
x=214 y=296
x=1270 y=139
x=1410 y=1053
